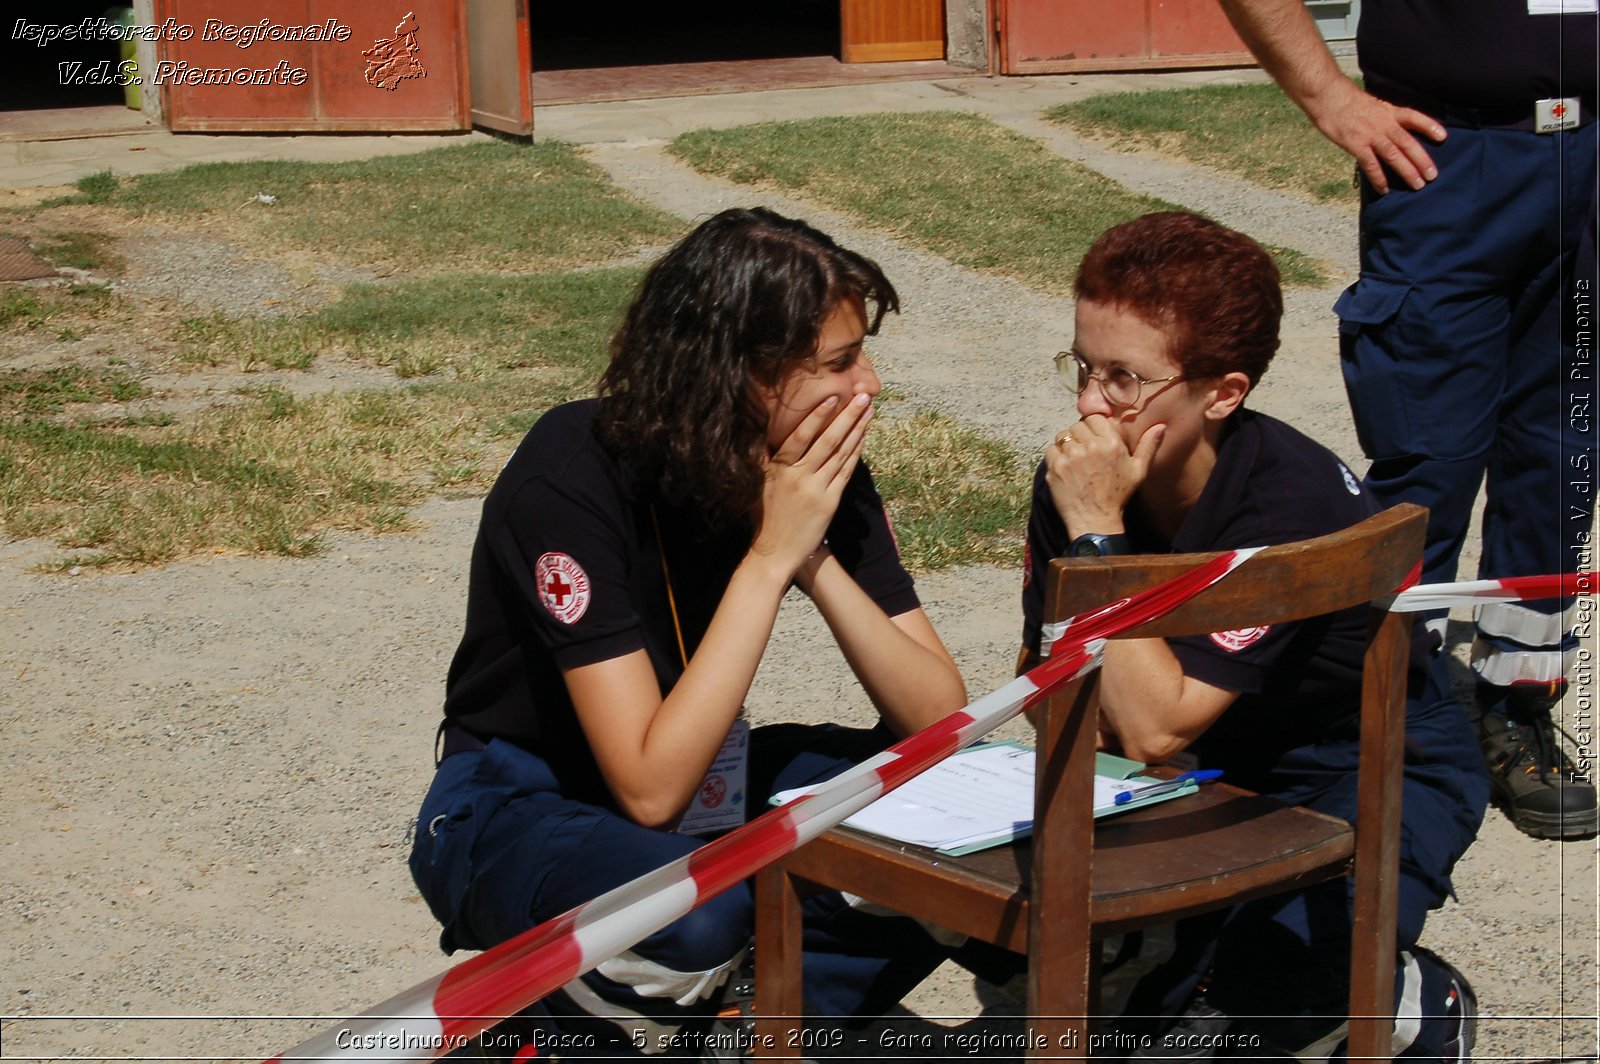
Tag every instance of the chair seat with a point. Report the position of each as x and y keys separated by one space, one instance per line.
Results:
x=1217 y=847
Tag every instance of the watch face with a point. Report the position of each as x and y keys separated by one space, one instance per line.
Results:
x=1086 y=548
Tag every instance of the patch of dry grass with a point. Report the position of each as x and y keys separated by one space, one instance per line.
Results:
x=958 y=497
x=119 y=476
x=267 y=475
x=954 y=183
x=476 y=207
x=65 y=311
x=1254 y=131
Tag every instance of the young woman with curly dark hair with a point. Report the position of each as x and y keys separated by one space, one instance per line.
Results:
x=624 y=584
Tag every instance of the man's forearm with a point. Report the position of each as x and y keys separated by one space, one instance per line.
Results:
x=1379 y=136
x=1284 y=39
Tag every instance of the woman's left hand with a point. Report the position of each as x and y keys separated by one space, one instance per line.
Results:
x=805 y=480
x=1092 y=474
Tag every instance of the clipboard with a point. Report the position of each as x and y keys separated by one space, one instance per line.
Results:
x=983 y=796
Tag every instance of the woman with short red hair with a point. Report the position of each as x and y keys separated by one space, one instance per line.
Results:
x=1176 y=320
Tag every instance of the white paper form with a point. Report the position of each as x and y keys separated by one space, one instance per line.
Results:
x=983 y=794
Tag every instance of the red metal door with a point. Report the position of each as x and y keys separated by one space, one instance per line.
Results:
x=1063 y=36
x=1191 y=29
x=314 y=65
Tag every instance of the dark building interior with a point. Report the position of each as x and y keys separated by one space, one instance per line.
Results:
x=657 y=32
x=41 y=76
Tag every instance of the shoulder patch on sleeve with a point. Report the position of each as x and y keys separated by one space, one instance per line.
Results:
x=563 y=586
x=1239 y=638
x=1351 y=484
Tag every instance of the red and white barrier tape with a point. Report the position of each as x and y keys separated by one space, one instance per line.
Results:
x=1510 y=589
x=440 y=1014
x=1432 y=597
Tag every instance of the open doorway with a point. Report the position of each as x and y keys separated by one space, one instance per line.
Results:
x=634 y=49
x=569 y=36
x=65 y=84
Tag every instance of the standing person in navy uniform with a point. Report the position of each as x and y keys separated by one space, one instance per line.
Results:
x=1468 y=340
x=624 y=584
x=1176 y=320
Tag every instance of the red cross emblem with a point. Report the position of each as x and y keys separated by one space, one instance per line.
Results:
x=563 y=586
x=1558 y=111
x=1239 y=638
x=713 y=791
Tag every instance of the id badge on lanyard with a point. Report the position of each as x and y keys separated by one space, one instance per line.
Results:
x=719 y=802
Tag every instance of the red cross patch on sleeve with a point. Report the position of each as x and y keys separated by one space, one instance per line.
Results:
x=563 y=586
x=1239 y=638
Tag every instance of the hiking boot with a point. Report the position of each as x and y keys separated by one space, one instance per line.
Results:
x=1461 y=1014
x=1196 y=1035
x=1449 y=1010
x=731 y=1035
x=1532 y=775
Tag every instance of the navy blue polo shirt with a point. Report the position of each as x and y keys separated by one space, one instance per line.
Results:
x=568 y=570
x=1299 y=683
x=1474 y=53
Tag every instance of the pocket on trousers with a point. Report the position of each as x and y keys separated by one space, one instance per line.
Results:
x=1374 y=377
x=449 y=822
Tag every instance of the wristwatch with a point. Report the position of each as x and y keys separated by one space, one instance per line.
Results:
x=1093 y=545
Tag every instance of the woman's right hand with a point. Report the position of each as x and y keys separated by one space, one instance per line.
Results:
x=805 y=479
x=1092 y=474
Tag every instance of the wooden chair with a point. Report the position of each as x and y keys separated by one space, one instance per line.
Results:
x=1074 y=883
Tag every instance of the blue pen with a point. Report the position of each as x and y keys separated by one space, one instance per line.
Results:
x=1204 y=775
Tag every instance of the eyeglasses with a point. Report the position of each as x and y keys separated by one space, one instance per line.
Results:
x=1120 y=386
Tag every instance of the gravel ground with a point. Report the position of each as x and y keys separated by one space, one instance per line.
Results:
x=213 y=766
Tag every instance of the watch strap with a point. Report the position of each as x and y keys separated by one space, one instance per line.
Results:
x=1094 y=545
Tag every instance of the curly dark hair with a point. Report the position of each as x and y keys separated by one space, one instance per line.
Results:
x=720 y=317
x=1213 y=291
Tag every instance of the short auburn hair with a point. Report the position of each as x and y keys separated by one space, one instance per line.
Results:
x=1213 y=291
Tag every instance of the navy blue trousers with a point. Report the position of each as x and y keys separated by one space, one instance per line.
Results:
x=1467 y=348
x=1287 y=956
x=499 y=850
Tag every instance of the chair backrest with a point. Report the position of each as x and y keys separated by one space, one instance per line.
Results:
x=1364 y=564
x=1292 y=581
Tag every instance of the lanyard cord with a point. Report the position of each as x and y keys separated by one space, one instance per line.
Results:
x=672 y=602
